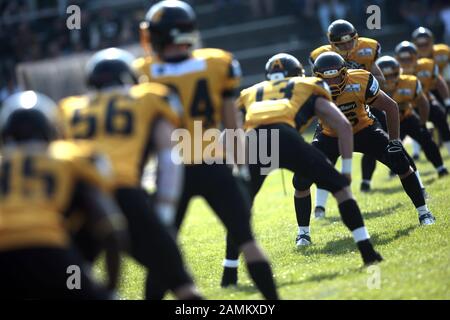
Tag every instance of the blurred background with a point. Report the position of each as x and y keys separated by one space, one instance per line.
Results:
x=38 y=51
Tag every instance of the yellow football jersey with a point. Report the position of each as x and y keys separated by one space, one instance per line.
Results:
x=37 y=186
x=363 y=56
x=202 y=81
x=289 y=101
x=119 y=122
x=360 y=91
x=427 y=72
x=405 y=94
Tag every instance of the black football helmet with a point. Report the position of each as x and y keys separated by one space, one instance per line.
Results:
x=330 y=65
x=407 y=55
x=27 y=116
x=283 y=65
x=110 y=67
x=171 y=22
x=423 y=38
x=342 y=36
x=390 y=68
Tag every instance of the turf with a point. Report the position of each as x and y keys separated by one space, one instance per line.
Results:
x=417 y=259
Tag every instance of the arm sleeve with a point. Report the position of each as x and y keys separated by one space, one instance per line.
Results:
x=232 y=78
x=372 y=89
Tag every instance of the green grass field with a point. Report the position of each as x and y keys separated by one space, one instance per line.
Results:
x=417 y=259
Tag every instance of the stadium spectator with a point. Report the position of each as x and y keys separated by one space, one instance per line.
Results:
x=413 y=12
x=329 y=10
x=445 y=18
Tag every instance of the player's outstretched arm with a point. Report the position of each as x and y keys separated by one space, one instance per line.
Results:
x=384 y=103
x=377 y=73
x=332 y=116
x=170 y=172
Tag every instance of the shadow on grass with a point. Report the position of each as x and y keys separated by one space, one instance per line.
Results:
x=324 y=276
x=368 y=215
x=430 y=178
x=429 y=181
x=388 y=190
x=346 y=245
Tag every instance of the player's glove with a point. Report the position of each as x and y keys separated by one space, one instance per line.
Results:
x=396 y=155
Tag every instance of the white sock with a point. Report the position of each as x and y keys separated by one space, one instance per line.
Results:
x=366 y=181
x=420 y=180
x=416 y=147
x=230 y=263
x=321 y=198
x=303 y=230
x=422 y=210
x=360 y=234
x=447 y=145
x=439 y=169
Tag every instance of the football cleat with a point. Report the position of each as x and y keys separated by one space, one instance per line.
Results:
x=365 y=186
x=303 y=240
x=368 y=253
x=372 y=258
x=443 y=172
x=319 y=212
x=426 y=219
x=229 y=277
x=416 y=157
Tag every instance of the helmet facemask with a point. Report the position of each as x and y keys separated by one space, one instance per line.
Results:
x=424 y=46
x=408 y=62
x=346 y=46
x=336 y=79
x=391 y=77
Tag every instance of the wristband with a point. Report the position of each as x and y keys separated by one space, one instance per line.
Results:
x=346 y=166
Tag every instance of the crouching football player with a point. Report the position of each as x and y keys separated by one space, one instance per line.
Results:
x=284 y=104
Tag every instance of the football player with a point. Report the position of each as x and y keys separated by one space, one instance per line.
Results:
x=206 y=80
x=41 y=180
x=129 y=123
x=353 y=91
x=423 y=38
x=406 y=90
x=427 y=71
x=285 y=104
x=358 y=53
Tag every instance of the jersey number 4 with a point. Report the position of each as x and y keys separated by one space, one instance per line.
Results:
x=117 y=121
x=201 y=106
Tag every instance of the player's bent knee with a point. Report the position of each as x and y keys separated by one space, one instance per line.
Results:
x=302 y=193
x=405 y=175
x=252 y=252
x=343 y=195
x=301 y=183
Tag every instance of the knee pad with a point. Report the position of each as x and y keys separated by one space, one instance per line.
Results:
x=399 y=161
x=301 y=183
